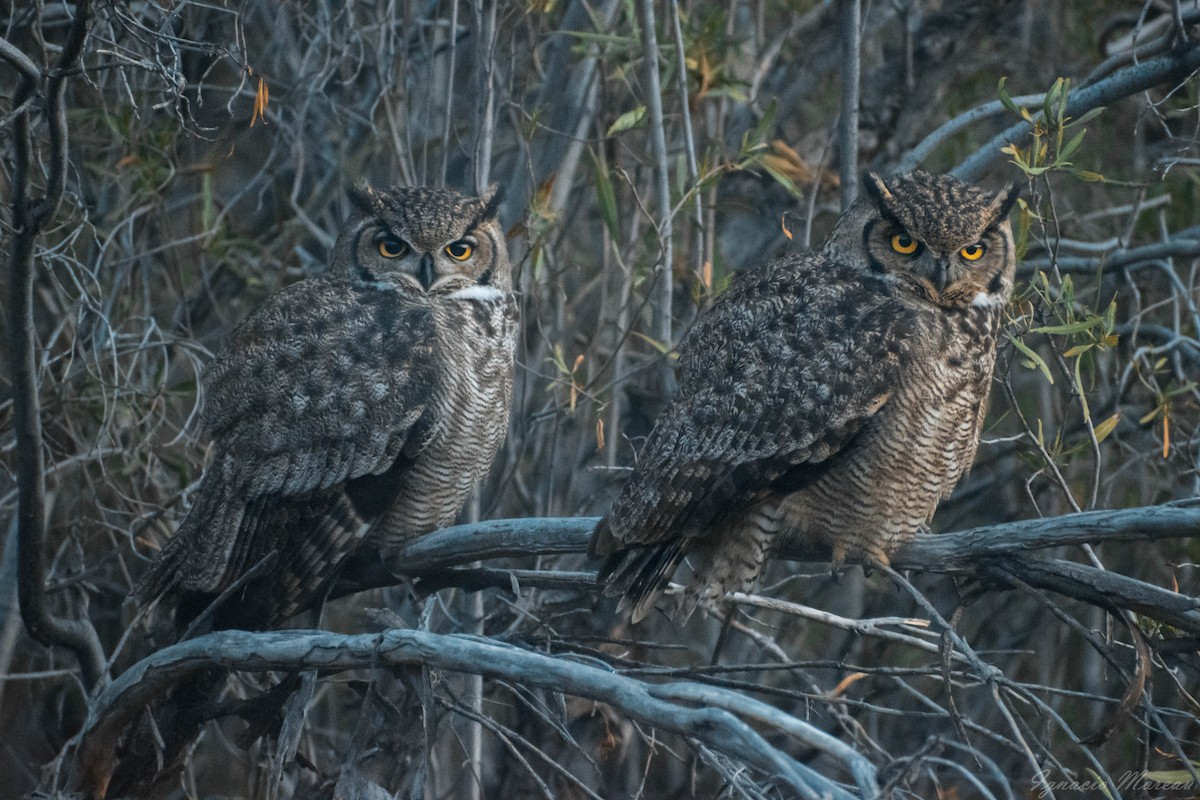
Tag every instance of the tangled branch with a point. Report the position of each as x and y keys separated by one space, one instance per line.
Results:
x=30 y=217
x=709 y=715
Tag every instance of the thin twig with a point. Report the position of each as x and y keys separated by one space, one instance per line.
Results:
x=664 y=288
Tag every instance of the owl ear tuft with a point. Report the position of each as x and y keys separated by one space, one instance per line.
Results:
x=490 y=207
x=1003 y=202
x=364 y=198
x=491 y=197
x=881 y=195
x=876 y=188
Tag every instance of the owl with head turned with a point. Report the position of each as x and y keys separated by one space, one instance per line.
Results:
x=836 y=395
x=356 y=408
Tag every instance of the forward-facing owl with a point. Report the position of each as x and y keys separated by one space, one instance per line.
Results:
x=837 y=395
x=360 y=405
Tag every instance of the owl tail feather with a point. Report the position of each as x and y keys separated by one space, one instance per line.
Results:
x=197 y=554
x=309 y=565
x=639 y=575
x=163 y=573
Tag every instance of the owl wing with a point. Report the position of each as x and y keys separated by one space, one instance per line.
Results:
x=774 y=380
x=323 y=384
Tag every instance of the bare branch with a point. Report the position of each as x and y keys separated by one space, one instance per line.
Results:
x=662 y=184
x=717 y=724
x=916 y=156
x=1167 y=68
x=990 y=552
x=946 y=552
x=23 y=64
x=30 y=218
x=851 y=27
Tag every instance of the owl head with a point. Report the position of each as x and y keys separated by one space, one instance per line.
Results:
x=420 y=239
x=946 y=241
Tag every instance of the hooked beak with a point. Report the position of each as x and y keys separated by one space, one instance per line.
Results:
x=426 y=276
x=939 y=273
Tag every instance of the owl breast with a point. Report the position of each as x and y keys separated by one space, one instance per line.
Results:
x=468 y=417
x=884 y=487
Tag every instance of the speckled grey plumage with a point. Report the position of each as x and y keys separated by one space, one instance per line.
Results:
x=837 y=395
x=363 y=404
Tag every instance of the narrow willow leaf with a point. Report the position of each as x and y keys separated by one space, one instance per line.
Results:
x=1105 y=428
x=627 y=120
x=1070 y=147
x=1037 y=360
x=1087 y=412
x=783 y=180
x=1065 y=330
x=605 y=196
x=1088 y=117
x=1005 y=98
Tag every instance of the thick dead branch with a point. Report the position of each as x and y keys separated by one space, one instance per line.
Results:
x=947 y=552
x=30 y=218
x=717 y=723
x=1167 y=68
x=990 y=552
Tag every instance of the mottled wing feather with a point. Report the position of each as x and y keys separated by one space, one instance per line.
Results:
x=341 y=375
x=774 y=380
x=323 y=384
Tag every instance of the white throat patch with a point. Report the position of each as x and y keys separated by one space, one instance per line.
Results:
x=477 y=292
x=983 y=300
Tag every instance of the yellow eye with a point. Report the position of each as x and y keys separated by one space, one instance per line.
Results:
x=460 y=250
x=904 y=244
x=390 y=247
x=973 y=252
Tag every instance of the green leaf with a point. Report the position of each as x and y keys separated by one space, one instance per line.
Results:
x=627 y=120
x=1100 y=783
x=1180 y=776
x=1087 y=175
x=605 y=196
x=1006 y=99
x=1065 y=330
x=1105 y=428
x=603 y=38
x=784 y=180
x=765 y=125
x=1087 y=412
x=1037 y=360
x=1051 y=99
x=1087 y=117
x=1110 y=317
x=655 y=343
x=1070 y=147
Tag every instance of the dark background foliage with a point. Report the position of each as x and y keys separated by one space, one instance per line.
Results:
x=210 y=148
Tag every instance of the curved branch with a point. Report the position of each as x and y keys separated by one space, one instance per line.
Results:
x=917 y=155
x=1147 y=255
x=21 y=62
x=989 y=552
x=1166 y=68
x=29 y=220
x=717 y=722
x=56 y=114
